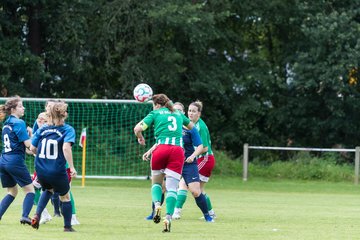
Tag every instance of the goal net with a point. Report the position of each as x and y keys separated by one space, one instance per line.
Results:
x=112 y=150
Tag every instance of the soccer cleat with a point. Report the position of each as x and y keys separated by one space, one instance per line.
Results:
x=69 y=229
x=45 y=217
x=167 y=225
x=150 y=217
x=177 y=214
x=213 y=215
x=25 y=220
x=208 y=218
x=157 y=216
x=74 y=220
x=35 y=221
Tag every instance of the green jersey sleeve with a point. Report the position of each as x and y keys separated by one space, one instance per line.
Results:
x=204 y=134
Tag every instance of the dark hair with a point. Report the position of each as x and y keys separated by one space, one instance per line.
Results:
x=11 y=103
x=198 y=104
x=163 y=100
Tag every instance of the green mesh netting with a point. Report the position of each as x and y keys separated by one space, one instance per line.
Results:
x=111 y=146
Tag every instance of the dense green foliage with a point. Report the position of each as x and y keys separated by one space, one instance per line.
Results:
x=267 y=71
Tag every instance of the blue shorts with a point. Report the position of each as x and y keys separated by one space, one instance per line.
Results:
x=11 y=175
x=190 y=173
x=59 y=183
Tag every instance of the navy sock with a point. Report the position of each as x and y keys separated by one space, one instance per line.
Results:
x=5 y=203
x=66 y=209
x=201 y=202
x=56 y=202
x=43 y=201
x=28 y=203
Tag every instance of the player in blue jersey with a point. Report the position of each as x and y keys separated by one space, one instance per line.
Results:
x=190 y=176
x=12 y=161
x=55 y=200
x=45 y=216
x=206 y=160
x=52 y=144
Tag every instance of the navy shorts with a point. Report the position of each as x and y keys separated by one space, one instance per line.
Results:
x=59 y=183
x=11 y=175
x=190 y=173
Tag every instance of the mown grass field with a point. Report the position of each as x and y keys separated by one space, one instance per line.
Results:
x=257 y=209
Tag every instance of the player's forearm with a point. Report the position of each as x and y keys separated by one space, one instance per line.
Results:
x=204 y=150
x=138 y=131
x=198 y=150
x=68 y=155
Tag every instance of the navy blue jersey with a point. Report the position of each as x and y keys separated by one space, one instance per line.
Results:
x=14 y=134
x=49 y=140
x=191 y=139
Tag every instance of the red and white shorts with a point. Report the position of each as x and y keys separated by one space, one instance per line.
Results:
x=168 y=159
x=206 y=165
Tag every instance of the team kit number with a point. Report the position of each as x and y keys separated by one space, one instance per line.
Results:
x=7 y=146
x=173 y=126
x=46 y=146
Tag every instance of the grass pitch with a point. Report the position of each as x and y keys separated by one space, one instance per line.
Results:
x=257 y=209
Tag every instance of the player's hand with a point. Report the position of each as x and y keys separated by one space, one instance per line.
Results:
x=73 y=172
x=190 y=159
x=141 y=140
x=29 y=131
x=146 y=156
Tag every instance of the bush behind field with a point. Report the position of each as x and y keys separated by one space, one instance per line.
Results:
x=302 y=166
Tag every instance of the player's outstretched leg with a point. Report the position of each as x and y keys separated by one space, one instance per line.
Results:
x=167 y=224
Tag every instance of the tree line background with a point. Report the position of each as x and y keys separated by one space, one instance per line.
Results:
x=279 y=72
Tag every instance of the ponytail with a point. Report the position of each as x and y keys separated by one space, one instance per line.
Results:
x=163 y=100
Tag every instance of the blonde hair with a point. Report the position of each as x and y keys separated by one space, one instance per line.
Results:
x=11 y=103
x=43 y=115
x=56 y=113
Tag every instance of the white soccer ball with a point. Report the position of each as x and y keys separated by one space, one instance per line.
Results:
x=143 y=92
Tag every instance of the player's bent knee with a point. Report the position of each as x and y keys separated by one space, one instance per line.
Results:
x=196 y=192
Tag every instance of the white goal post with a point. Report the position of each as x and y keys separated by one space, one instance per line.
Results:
x=247 y=148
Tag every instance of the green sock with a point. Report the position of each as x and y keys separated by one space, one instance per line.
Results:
x=72 y=203
x=156 y=192
x=170 y=202
x=208 y=202
x=181 y=198
x=37 y=196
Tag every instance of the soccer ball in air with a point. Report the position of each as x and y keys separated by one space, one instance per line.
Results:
x=143 y=92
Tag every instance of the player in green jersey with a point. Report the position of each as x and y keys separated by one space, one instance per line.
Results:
x=168 y=156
